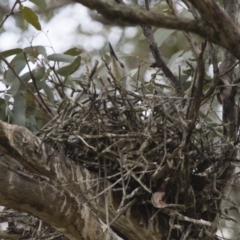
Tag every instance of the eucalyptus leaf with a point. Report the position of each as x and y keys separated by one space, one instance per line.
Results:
x=74 y=51
x=7 y=98
x=61 y=58
x=11 y=52
x=2 y=101
x=9 y=75
x=14 y=87
x=39 y=73
x=40 y=3
x=184 y=78
x=48 y=91
x=18 y=57
x=162 y=34
x=186 y=85
x=34 y=51
x=69 y=81
x=173 y=59
x=8 y=113
x=19 y=108
x=31 y=17
x=31 y=122
x=186 y=14
x=26 y=77
x=71 y=68
x=2 y=109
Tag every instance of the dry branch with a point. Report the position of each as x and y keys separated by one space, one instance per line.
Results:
x=137 y=161
x=124 y=147
x=145 y=145
x=53 y=174
x=216 y=26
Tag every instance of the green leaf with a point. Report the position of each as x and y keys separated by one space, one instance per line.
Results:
x=71 y=68
x=14 y=87
x=172 y=64
x=38 y=74
x=11 y=52
x=19 y=56
x=186 y=14
x=186 y=85
x=25 y=77
x=31 y=17
x=19 y=108
x=34 y=51
x=2 y=101
x=41 y=50
x=184 y=78
x=40 y=3
x=2 y=109
x=9 y=76
x=7 y=98
x=31 y=123
x=160 y=7
x=73 y=51
x=6 y=112
x=162 y=34
x=15 y=83
x=60 y=58
x=47 y=90
x=69 y=81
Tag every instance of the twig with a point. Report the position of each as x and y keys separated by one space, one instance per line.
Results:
x=93 y=148
x=9 y=14
x=195 y=49
x=122 y=211
x=24 y=84
x=215 y=71
x=194 y=221
x=35 y=85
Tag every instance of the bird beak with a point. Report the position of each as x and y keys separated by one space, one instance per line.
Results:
x=112 y=53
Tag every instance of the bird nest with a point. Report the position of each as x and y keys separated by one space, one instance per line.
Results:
x=135 y=141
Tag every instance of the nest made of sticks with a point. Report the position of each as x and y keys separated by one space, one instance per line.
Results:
x=134 y=140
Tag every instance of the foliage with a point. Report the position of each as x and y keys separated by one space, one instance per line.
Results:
x=167 y=146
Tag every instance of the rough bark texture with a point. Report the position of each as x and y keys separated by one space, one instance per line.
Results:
x=57 y=191
x=215 y=25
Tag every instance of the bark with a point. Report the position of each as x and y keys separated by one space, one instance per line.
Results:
x=72 y=199
x=60 y=192
x=214 y=25
x=47 y=200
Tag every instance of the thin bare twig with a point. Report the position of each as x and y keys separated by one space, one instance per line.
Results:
x=35 y=85
x=24 y=84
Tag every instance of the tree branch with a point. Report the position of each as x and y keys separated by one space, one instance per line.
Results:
x=39 y=158
x=216 y=27
x=52 y=203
